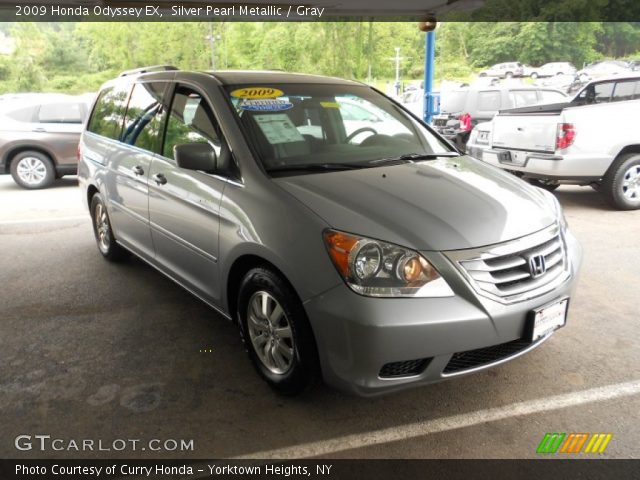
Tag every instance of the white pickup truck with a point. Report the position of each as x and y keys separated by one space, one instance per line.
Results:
x=592 y=140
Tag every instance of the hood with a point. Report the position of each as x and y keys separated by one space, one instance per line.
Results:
x=444 y=204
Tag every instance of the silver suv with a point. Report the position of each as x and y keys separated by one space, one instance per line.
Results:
x=376 y=259
x=39 y=135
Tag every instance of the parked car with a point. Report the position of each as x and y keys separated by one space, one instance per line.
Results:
x=604 y=68
x=504 y=70
x=476 y=105
x=590 y=140
x=39 y=137
x=378 y=265
x=552 y=69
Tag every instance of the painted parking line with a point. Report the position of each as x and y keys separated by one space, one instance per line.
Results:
x=419 y=429
x=44 y=220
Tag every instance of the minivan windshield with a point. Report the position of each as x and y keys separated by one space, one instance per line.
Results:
x=322 y=127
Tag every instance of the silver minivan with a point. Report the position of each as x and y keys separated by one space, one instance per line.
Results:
x=376 y=259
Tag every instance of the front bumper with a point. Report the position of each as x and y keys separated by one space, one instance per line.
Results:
x=357 y=336
x=545 y=165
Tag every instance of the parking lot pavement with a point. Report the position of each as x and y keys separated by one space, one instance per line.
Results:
x=102 y=351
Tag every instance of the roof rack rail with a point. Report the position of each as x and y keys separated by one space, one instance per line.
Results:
x=154 y=68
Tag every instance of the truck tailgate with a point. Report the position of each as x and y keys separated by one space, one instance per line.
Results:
x=536 y=132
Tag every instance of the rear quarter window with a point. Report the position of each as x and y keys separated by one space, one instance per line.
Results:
x=60 y=113
x=108 y=114
x=23 y=114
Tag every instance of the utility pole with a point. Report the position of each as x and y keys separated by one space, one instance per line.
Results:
x=397 y=84
x=397 y=59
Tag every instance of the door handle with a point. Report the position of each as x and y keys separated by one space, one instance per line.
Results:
x=40 y=130
x=159 y=178
x=138 y=170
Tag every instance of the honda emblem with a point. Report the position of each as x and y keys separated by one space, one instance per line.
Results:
x=537 y=265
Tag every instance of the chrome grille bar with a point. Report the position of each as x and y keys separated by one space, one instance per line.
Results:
x=502 y=271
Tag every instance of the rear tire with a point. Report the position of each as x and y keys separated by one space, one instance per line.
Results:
x=103 y=232
x=32 y=170
x=621 y=184
x=534 y=75
x=548 y=185
x=276 y=332
x=508 y=75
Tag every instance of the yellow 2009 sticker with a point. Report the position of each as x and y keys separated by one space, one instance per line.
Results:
x=257 y=92
x=329 y=105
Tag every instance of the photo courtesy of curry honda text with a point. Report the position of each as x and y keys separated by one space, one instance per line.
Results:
x=368 y=253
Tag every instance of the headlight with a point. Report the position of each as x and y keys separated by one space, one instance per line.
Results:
x=379 y=269
x=562 y=221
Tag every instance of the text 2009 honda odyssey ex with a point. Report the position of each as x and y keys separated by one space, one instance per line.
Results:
x=345 y=237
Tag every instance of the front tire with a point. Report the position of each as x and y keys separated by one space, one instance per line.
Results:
x=276 y=332
x=32 y=170
x=621 y=184
x=103 y=232
x=534 y=75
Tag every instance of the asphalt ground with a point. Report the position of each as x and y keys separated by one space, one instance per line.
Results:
x=93 y=350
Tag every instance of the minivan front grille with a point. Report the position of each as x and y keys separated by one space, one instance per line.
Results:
x=407 y=368
x=440 y=122
x=516 y=270
x=479 y=357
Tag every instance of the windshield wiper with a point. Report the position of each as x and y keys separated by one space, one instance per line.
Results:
x=416 y=156
x=316 y=167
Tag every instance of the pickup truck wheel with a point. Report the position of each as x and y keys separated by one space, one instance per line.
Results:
x=276 y=332
x=103 y=231
x=621 y=184
x=32 y=170
x=549 y=185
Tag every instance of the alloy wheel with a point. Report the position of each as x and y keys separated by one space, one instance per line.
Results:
x=631 y=184
x=31 y=170
x=102 y=228
x=270 y=333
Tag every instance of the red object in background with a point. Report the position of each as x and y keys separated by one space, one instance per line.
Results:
x=465 y=122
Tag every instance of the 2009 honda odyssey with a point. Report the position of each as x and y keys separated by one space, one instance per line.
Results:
x=377 y=259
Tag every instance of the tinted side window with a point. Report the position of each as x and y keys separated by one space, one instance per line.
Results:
x=489 y=100
x=623 y=91
x=190 y=121
x=144 y=120
x=523 y=98
x=603 y=92
x=108 y=113
x=60 y=113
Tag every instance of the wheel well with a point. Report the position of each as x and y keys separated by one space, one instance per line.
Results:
x=91 y=191
x=629 y=149
x=238 y=270
x=25 y=148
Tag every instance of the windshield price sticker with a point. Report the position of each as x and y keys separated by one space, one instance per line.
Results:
x=278 y=128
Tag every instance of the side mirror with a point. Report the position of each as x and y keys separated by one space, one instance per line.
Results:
x=195 y=156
